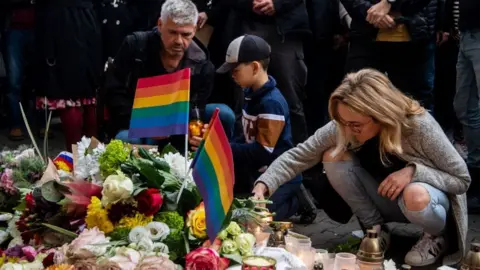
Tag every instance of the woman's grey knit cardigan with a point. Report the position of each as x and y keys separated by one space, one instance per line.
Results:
x=427 y=147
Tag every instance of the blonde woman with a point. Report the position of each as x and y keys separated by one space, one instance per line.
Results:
x=390 y=161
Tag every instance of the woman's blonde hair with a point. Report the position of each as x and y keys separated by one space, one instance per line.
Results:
x=371 y=93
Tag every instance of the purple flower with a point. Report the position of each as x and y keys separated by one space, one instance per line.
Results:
x=15 y=251
x=30 y=253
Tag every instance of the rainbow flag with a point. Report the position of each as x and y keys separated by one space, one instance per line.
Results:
x=212 y=170
x=161 y=106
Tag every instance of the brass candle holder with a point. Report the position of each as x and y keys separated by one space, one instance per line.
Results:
x=370 y=254
x=280 y=230
x=259 y=263
x=472 y=260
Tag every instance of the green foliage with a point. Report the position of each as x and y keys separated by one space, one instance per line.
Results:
x=175 y=244
x=172 y=219
x=351 y=246
x=119 y=234
x=115 y=154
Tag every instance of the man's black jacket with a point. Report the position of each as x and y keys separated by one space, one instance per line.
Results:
x=139 y=57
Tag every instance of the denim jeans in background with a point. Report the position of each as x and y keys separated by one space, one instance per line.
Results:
x=227 y=117
x=430 y=71
x=467 y=102
x=19 y=51
x=360 y=191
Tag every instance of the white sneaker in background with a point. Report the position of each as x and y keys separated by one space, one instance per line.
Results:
x=426 y=251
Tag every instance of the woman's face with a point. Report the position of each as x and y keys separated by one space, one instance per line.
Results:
x=359 y=128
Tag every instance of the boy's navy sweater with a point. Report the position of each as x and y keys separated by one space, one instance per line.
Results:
x=266 y=129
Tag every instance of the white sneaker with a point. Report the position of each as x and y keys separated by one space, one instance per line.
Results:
x=426 y=251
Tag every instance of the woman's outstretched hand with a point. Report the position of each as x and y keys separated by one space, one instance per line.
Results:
x=394 y=184
x=259 y=192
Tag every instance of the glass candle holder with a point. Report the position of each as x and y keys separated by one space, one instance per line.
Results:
x=345 y=261
x=195 y=124
x=307 y=256
x=259 y=263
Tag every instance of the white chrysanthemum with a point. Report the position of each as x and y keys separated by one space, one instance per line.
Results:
x=138 y=233
x=158 y=230
x=82 y=146
x=145 y=244
x=177 y=165
x=161 y=248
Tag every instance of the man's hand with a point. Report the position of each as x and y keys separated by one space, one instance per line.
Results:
x=202 y=19
x=264 y=7
x=394 y=184
x=195 y=140
x=442 y=37
x=386 y=22
x=378 y=12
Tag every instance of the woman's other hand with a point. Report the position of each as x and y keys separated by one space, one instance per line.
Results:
x=394 y=184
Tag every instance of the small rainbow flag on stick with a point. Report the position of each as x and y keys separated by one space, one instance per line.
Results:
x=212 y=169
x=161 y=106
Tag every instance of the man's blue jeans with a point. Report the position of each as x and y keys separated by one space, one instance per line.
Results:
x=227 y=117
x=19 y=50
x=467 y=102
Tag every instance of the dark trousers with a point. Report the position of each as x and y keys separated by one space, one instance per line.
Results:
x=288 y=68
x=403 y=62
x=445 y=81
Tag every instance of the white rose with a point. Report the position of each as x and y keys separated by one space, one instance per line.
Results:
x=12 y=266
x=116 y=188
x=6 y=217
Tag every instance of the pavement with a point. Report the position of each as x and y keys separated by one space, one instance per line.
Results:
x=324 y=232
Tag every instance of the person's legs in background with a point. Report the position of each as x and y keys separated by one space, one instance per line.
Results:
x=17 y=43
x=227 y=117
x=89 y=121
x=467 y=108
x=431 y=49
x=72 y=123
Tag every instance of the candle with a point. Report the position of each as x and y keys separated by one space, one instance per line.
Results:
x=307 y=256
x=258 y=263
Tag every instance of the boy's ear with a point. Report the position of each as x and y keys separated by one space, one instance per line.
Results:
x=256 y=66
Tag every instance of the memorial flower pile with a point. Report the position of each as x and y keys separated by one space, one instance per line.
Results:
x=111 y=206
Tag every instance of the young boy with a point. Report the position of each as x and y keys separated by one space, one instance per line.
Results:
x=265 y=121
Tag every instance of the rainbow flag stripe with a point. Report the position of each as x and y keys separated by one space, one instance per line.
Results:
x=213 y=172
x=161 y=106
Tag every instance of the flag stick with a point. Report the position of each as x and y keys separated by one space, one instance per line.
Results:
x=187 y=171
x=30 y=132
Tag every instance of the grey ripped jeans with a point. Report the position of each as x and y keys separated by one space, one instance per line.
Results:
x=359 y=190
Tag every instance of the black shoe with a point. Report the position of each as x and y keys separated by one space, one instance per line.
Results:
x=307 y=216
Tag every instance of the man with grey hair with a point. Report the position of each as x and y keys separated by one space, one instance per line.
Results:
x=170 y=47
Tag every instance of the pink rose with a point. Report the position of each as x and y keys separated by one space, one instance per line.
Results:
x=204 y=259
x=30 y=253
x=156 y=263
x=92 y=240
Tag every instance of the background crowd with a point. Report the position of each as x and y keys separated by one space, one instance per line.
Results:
x=54 y=54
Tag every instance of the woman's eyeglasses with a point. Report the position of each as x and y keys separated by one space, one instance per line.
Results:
x=355 y=127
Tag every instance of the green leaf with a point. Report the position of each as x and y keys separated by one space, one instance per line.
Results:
x=152 y=176
x=21 y=206
x=234 y=257
x=138 y=190
x=168 y=149
x=60 y=230
x=50 y=192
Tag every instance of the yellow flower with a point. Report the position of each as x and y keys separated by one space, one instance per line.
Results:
x=62 y=166
x=61 y=267
x=137 y=220
x=98 y=217
x=196 y=222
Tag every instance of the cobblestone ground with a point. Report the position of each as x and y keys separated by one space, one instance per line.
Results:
x=324 y=232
